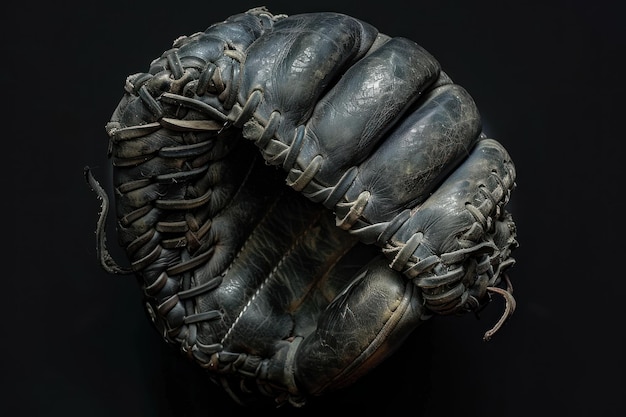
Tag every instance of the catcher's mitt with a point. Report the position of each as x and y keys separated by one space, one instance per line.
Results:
x=393 y=208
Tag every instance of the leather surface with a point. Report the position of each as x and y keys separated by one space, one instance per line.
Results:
x=296 y=194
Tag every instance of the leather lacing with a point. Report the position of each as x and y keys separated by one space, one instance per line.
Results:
x=188 y=80
x=188 y=233
x=457 y=280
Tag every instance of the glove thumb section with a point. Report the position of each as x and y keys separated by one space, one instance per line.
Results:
x=362 y=326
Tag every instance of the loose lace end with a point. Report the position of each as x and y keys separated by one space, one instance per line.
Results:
x=106 y=260
x=509 y=307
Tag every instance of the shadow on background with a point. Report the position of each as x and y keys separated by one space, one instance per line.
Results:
x=547 y=80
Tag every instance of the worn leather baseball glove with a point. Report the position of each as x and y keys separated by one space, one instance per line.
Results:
x=296 y=194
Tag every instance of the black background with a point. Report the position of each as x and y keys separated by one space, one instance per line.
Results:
x=548 y=79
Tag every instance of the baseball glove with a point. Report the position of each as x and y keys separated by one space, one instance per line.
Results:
x=296 y=194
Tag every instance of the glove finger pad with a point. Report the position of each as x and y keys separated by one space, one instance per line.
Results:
x=295 y=63
x=416 y=156
x=353 y=116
